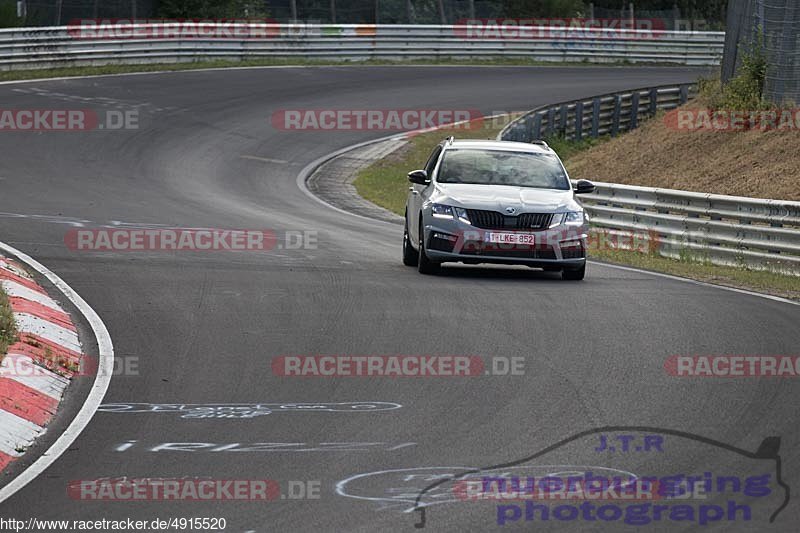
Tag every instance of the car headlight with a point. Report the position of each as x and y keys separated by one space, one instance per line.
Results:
x=573 y=218
x=446 y=211
x=441 y=211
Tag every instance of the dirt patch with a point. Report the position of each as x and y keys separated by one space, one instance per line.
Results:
x=759 y=164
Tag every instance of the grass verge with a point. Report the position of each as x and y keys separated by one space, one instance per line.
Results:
x=64 y=72
x=8 y=327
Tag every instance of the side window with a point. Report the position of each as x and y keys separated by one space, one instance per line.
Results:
x=431 y=164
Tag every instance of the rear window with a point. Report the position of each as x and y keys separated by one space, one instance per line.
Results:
x=501 y=167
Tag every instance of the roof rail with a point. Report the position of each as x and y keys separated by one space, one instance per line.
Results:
x=540 y=143
x=450 y=139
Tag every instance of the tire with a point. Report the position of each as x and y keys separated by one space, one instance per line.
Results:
x=410 y=255
x=574 y=275
x=425 y=265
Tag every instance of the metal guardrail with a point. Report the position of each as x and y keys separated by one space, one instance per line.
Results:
x=29 y=48
x=723 y=230
x=602 y=115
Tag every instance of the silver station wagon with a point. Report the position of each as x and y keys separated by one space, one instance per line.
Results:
x=495 y=202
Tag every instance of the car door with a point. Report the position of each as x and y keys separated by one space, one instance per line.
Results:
x=416 y=195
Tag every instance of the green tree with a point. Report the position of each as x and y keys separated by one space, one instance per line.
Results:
x=8 y=14
x=210 y=9
x=544 y=8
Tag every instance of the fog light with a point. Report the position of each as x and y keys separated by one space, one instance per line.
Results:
x=443 y=242
x=572 y=249
x=444 y=236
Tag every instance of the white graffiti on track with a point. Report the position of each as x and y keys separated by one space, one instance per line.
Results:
x=244 y=410
x=262 y=447
x=399 y=489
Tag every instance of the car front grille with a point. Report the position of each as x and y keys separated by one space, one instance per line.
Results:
x=478 y=249
x=494 y=220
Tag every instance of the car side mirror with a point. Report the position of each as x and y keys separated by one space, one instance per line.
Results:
x=584 y=187
x=419 y=177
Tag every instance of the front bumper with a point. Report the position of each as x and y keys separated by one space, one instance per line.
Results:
x=455 y=241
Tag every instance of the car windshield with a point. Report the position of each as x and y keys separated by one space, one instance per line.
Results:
x=502 y=167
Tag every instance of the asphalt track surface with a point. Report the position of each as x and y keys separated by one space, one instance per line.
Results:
x=205 y=326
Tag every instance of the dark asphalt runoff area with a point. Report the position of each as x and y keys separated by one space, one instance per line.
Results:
x=204 y=327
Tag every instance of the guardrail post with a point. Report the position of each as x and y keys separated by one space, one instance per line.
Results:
x=551 y=117
x=596 y=118
x=684 y=94
x=537 y=126
x=528 y=129
x=562 y=122
x=653 y=101
x=518 y=132
x=714 y=216
x=578 y=121
x=615 y=115
x=634 y=123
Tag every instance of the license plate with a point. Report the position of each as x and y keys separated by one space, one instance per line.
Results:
x=509 y=238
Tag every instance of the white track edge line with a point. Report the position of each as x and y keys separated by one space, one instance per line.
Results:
x=96 y=394
x=697 y=282
x=309 y=169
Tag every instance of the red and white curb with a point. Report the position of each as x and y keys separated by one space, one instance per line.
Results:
x=105 y=359
x=37 y=369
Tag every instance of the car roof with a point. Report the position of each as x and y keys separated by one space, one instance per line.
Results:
x=499 y=145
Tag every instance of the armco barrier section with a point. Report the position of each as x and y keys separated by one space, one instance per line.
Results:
x=723 y=230
x=609 y=114
x=51 y=47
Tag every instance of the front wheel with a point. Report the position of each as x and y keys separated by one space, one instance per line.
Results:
x=425 y=265
x=410 y=255
x=574 y=275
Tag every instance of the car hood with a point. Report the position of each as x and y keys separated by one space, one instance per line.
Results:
x=500 y=197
